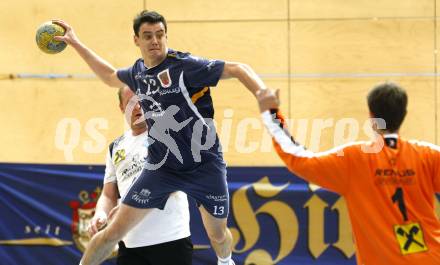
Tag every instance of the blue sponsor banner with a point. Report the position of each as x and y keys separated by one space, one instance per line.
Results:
x=275 y=217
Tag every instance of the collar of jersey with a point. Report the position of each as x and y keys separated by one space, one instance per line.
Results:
x=146 y=69
x=129 y=132
x=391 y=135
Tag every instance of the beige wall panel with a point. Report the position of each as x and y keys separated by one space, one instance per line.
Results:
x=103 y=25
x=437 y=3
x=316 y=9
x=437 y=111
x=244 y=145
x=382 y=46
x=219 y=10
x=337 y=99
x=438 y=79
x=33 y=114
x=263 y=45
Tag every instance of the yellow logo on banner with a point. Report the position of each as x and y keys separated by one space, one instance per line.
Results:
x=119 y=156
x=410 y=238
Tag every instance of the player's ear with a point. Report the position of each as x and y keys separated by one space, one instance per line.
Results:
x=136 y=40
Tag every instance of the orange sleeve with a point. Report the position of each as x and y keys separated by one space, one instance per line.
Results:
x=329 y=170
x=435 y=160
x=431 y=156
x=436 y=180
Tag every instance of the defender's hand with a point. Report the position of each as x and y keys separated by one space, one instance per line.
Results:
x=268 y=100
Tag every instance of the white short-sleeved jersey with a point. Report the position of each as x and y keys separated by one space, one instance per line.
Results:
x=125 y=160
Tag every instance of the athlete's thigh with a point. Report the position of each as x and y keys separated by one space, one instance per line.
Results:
x=209 y=187
x=151 y=189
x=178 y=252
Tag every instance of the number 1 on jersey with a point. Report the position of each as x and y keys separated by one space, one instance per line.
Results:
x=398 y=196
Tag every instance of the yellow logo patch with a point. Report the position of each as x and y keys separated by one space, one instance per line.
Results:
x=119 y=156
x=410 y=238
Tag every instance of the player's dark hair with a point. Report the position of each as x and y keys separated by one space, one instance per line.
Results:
x=146 y=16
x=388 y=101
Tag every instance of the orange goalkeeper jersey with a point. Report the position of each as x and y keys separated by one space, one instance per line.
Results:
x=389 y=190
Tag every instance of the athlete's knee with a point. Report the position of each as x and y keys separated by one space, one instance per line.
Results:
x=218 y=234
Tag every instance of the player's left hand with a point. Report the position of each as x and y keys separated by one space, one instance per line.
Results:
x=96 y=223
x=268 y=100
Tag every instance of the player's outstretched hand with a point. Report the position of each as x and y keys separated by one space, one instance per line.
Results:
x=69 y=36
x=268 y=100
x=97 y=223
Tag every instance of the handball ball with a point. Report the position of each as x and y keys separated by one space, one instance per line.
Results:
x=45 y=35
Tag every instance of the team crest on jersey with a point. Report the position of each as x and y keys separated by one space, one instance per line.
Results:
x=83 y=211
x=119 y=156
x=164 y=78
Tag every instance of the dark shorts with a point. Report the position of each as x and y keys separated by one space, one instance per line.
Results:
x=206 y=184
x=169 y=253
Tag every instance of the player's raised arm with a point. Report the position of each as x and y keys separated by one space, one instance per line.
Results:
x=104 y=70
x=327 y=169
x=245 y=74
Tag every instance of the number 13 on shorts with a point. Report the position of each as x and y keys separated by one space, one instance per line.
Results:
x=219 y=210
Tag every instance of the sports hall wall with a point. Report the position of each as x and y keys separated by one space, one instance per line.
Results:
x=323 y=55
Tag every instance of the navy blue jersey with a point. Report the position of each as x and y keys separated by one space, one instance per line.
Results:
x=175 y=97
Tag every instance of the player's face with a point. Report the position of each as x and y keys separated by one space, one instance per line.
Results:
x=152 y=41
x=130 y=103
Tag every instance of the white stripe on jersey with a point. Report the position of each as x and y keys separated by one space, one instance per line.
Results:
x=288 y=146
x=425 y=144
x=188 y=99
